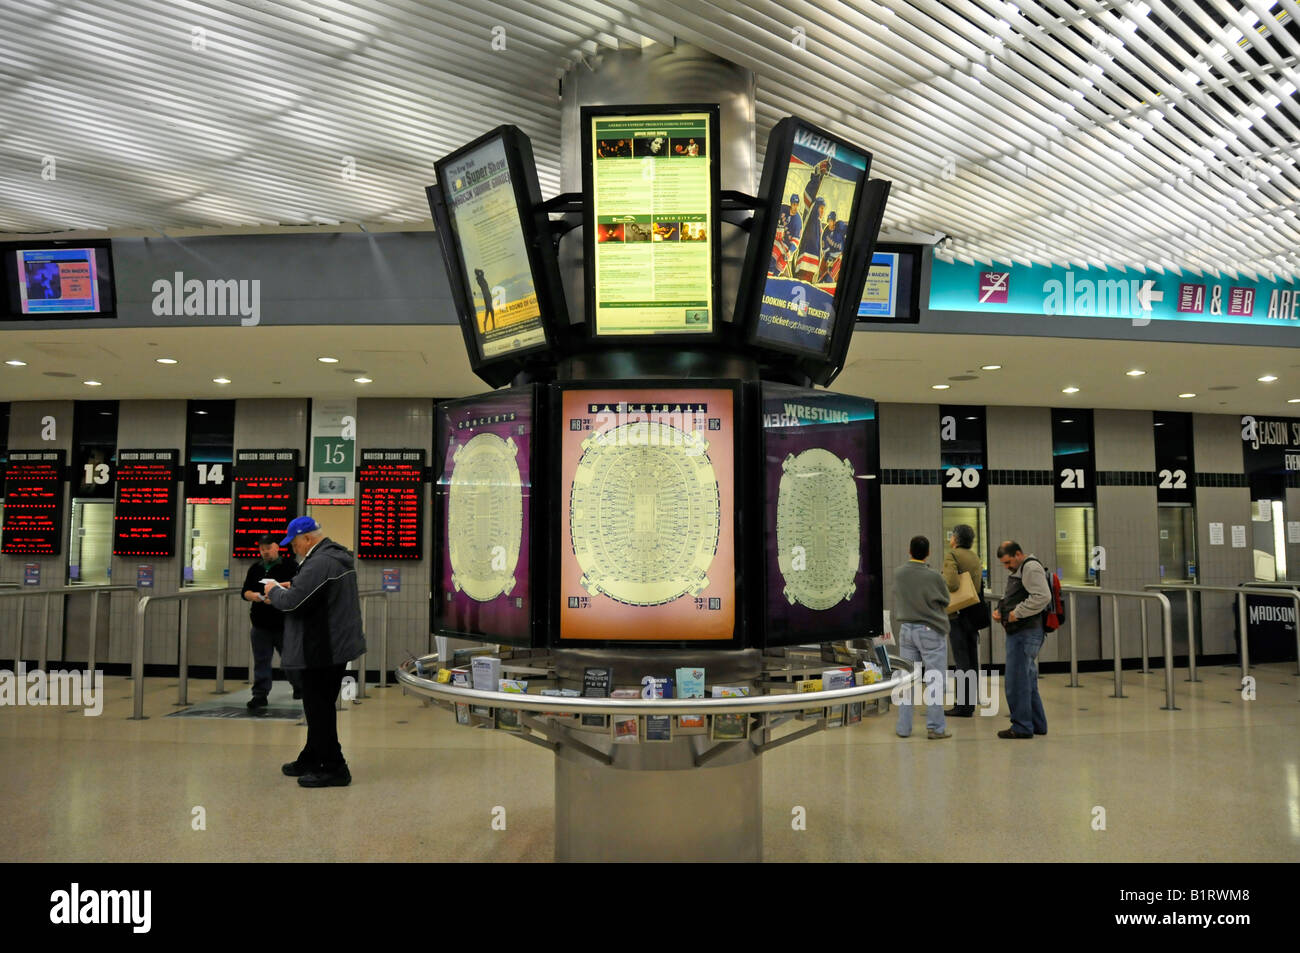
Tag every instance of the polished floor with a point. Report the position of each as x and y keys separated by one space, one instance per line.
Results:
x=1218 y=780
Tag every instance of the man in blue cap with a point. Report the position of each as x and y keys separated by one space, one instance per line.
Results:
x=322 y=633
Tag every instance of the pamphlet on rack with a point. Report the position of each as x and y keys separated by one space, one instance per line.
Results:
x=486 y=674
x=624 y=729
x=658 y=727
x=690 y=684
x=596 y=684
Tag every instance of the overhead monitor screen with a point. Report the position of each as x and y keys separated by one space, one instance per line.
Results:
x=820 y=515
x=33 y=503
x=75 y=281
x=483 y=506
x=481 y=198
x=653 y=201
x=890 y=290
x=647 y=512
x=144 y=517
x=390 y=490
x=822 y=180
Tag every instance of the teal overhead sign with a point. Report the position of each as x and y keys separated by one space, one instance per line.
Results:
x=1132 y=294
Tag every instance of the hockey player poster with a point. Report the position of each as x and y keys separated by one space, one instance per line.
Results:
x=481 y=198
x=821 y=186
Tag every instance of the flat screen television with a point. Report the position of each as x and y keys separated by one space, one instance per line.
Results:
x=58 y=279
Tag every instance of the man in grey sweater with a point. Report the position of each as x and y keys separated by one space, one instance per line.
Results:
x=1021 y=613
x=921 y=607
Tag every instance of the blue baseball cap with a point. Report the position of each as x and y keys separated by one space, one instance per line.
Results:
x=794 y=197
x=303 y=524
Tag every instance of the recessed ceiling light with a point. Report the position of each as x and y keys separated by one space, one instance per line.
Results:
x=940 y=386
x=362 y=380
x=1186 y=396
x=165 y=360
x=1267 y=378
x=16 y=363
x=990 y=367
x=1135 y=373
x=972 y=418
x=1070 y=421
x=1069 y=390
x=202 y=412
x=221 y=380
x=1294 y=400
x=328 y=360
x=92 y=383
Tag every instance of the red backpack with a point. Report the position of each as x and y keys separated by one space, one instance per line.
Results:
x=1054 y=614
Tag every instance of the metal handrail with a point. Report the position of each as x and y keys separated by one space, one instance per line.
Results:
x=362 y=596
x=23 y=593
x=905 y=673
x=182 y=661
x=1240 y=592
x=1167 y=627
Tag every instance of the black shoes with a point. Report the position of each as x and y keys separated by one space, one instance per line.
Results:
x=294 y=769
x=961 y=711
x=1007 y=733
x=297 y=693
x=319 y=778
x=256 y=702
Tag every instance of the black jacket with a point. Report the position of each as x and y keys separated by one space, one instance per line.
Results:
x=322 y=611
x=263 y=616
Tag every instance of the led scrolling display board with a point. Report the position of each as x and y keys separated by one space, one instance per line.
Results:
x=33 y=511
x=390 y=488
x=650 y=185
x=265 y=497
x=496 y=245
x=144 y=517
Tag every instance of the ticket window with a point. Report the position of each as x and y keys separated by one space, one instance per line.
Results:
x=974 y=516
x=1076 y=535
x=1177 y=543
x=1268 y=529
x=207 y=553
x=90 y=542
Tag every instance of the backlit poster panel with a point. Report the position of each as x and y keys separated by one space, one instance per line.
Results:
x=483 y=506
x=647 y=510
x=481 y=198
x=653 y=202
x=821 y=516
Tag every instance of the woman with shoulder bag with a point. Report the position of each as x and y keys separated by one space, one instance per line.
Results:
x=967 y=622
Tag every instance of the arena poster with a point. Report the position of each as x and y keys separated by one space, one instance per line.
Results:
x=652 y=198
x=58 y=280
x=481 y=200
x=647 y=549
x=812 y=225
x=482 y=501
x=818 y=459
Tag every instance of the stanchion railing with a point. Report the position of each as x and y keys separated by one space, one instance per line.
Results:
x=382 y=595
x=1259 y=589
x=1166 y=624
x=184 y=597
x=22 y=594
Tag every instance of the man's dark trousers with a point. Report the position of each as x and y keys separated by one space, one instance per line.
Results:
x=320 y=686
x=265 y=643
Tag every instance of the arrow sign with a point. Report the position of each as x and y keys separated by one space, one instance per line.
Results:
x=1148 y=294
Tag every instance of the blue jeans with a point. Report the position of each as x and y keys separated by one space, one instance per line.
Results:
x=265 y=643
x=1022 y=681
x=918 y=642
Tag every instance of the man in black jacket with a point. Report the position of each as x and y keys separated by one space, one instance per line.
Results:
x=1028 y=593
x=268 y=624
x=322 y=633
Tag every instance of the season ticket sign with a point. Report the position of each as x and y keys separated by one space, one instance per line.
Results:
x=144 y=514
x=265 y=497
x=33 y=510
x=390 y=486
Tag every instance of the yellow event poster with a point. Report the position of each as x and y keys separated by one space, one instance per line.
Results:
x=652 y=197
x=497 y=272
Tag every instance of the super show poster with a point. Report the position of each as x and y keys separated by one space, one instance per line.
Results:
x=653 y=201
x=812 y=225
x=481 y=200
x=647 y=507
x=483 y=506
x=816 y=515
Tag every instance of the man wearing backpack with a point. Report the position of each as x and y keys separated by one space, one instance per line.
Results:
x=1021 y=614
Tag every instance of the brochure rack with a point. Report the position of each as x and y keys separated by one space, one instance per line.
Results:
x=689 y=798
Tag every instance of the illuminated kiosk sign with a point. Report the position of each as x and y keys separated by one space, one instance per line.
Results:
x=144 y=514
x=650 y=183
x=33 y=504
x=265 y=497
x=390 y=486
x=647 y=500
